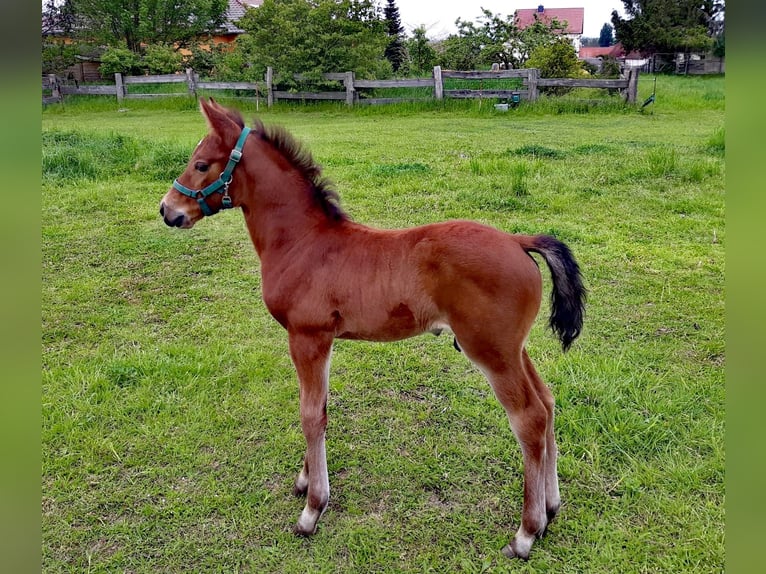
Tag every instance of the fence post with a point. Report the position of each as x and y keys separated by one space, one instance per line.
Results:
x=269 y=86
x=438 y=84
x=120 y=88
x=532 y=75
x=350 y=92
x=53 y=82
x=190 y=82
x=632 y=91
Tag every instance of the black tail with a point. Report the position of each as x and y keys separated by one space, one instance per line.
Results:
x=568 y=294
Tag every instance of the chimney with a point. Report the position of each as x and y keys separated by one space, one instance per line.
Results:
x=540 y=9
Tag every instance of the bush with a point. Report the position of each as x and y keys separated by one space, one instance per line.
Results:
x=610 y=67
x=557 y=59
x=57 y=56
x=202 y=60
x=119 y=60
x=458 y=53
x=592 y=69
x=161 y=59
x=232 y=66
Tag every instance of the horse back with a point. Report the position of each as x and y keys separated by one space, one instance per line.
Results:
x=373 y=284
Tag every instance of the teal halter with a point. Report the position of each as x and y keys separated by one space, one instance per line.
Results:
x=222 y=182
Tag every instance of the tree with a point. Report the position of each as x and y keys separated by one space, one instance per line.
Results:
x=498 y=40
x=719 y=46
x=58 y=21
x=532 y=37
x=133 y=22
x=606 y=39
x=461 y=51
x=586 y=42
x=716 y=28
x=395 y=51
x=314 y=37
x=497 y=34
x=667 y=26
x=557 y=59
x=422 y=54
x=58 y=18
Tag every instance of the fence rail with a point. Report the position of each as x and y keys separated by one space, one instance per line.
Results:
x=483 y=75
x=158 y=79
x=350 y=89
x=486 y=94
x=408 y=83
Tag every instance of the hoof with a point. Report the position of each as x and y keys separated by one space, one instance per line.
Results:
x=510 y=553
x=552 y=512
x=298 y=530
x=308 y=520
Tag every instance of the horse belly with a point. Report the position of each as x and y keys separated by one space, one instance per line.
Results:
x=398 y=322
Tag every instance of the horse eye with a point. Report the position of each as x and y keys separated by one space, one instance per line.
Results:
x=201 y=166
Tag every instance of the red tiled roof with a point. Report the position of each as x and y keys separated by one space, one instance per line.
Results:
x=574 y=17
x=616 y=51
x=596 y=51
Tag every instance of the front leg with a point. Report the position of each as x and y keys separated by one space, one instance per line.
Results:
x=311 y=356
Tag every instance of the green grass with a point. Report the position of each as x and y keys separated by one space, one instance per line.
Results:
x=170 y=408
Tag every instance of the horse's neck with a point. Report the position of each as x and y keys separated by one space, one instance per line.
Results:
x=280 y=214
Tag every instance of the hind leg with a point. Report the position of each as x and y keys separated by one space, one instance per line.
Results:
x=552 y=495
x=528 y=418
x=504 y=366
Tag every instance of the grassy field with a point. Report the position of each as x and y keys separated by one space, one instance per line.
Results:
x=171 y=434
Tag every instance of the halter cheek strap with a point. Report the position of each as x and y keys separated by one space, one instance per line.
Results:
x=222 y=183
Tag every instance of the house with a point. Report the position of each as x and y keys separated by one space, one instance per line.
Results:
x=229 y=31
x=236 y=10
x=590 y=52
x=86 y=65
x=573 y=17
x=594 y=54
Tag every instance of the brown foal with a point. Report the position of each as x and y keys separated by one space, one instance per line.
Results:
x=326 y=277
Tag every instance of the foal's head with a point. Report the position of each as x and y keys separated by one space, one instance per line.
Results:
x=202 y=188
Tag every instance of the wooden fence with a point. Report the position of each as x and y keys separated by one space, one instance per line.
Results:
x=531 y=82
x=54 y=89
x=351 y=90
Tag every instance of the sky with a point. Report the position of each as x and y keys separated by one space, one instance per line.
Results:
x=439 y=16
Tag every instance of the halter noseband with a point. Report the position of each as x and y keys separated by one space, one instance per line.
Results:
x=223 y=180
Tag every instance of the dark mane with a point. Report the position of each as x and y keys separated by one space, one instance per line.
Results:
x=324 y=194
x=235 y=116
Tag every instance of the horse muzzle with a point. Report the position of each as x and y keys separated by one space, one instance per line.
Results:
x=173 y=218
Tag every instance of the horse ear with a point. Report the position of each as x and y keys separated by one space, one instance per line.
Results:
x=218 y=120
